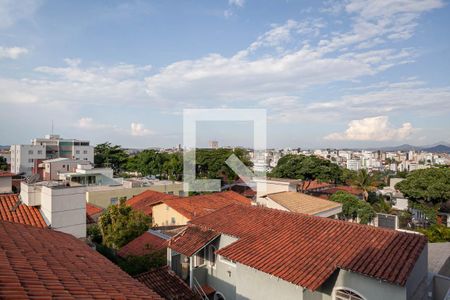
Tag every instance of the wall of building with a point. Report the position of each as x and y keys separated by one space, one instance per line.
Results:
x=254 y=284
x=102 y=196
x=83 y=153
x=23 y=157
x=418 y=276
x=367 y=287
x=5 y=184
x=264 y=187
x=164 y=215
x=64 y=208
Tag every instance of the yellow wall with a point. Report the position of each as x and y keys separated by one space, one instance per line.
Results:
x=102 y=198
x=163 y=214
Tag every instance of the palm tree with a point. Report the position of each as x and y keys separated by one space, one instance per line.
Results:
x=365 y=181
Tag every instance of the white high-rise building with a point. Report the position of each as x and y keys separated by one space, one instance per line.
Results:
x=354 y=164
x=24 y=157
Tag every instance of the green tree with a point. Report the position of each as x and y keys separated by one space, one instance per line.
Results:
x=3 y=164
x=113 y=156
x=436 y=233
x=430 y=185
x=353 y=208
x=120 y=224
x=306 y=168
x=135 y=265
x=366 y=182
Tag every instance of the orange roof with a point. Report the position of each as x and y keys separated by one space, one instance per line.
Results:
x=200 y=205
x=167 y=284
x=142 y=245
x=146 y=200
x=43 y=263
x=302 y=203
x=191 y=239
x=92 y=209
x=314 y=184
x=6 y=174
x=23 y=214
x=306 y=250
x=344 y=188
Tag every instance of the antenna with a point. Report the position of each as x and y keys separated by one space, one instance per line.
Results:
x=52 y=127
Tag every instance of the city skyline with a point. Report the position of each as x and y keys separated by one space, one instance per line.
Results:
x=333 y=74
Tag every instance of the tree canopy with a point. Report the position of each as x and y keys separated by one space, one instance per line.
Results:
x=3 y=164
x=108 y=155
x=306 y=168
x=353 y=208
x=430 y=185
x=160 y=164
x=120 y=224
x=365 y=181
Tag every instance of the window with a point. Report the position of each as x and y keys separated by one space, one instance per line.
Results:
x=85 y=158
x=30 y=151
x=200 y=258
x=212 y=255
x=114 y=201
x=77 y=152
x=30 y=160
x=85 y=152
x=173 y=221
x=170 y=193
x=346 y=294
x=39 y=151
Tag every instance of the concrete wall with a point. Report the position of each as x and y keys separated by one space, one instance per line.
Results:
x=163 y=215
x=418 y=276
x=441 y=287
x=30 y=194
x=264 y=187
x=5 y=184
x=101 y=196
x=65 y=209
x=367 y=287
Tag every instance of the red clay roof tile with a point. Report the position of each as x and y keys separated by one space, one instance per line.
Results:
x=191 y=239
x=23 y=214
x=37 y=262
x=144 y=244
x=306 y=250
x=167 y=284
x=147 y=199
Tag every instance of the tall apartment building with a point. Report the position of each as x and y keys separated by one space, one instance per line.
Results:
x=25 y=157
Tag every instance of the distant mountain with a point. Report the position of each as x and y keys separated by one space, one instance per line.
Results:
x=404 y=147
x=4 y=147
x=437 y=149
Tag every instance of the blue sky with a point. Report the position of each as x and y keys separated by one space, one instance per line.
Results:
x=330 y=74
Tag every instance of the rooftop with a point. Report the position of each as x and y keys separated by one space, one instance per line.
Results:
x=167 y=284
x=22 y=213
x=302 y=203
x=44 y=263
x=146 y=243
x=6 y=174
x=192 y=239
x=306 y=250
x=146 y=200
x=199 y=205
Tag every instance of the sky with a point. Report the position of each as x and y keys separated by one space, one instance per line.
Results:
x=335 y=74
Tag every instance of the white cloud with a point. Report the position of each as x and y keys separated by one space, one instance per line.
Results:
x=138 y=129
x=12 y=11
x=88 y=123
x=373 y=129
x=12 y=52
x=239 y=3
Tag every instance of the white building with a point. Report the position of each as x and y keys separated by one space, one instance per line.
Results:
x=354 y=164
x=24 y=157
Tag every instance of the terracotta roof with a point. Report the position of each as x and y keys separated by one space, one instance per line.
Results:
x=92 y=209
x=6 y=174
x=306 y=250
x=146 y=200
x=23 y=214
x=192 y=239
x=314 y=184
x=146 y=243
x=43 y=263
x=167 y=284
x=302 y=203
x=200 y=205
x=348 y=189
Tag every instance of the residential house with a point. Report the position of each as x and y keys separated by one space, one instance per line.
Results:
x=6 y=182
x=47 y=264
x=179 y=211
x=302 y=203
x=252 y=252
x=93 y=212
